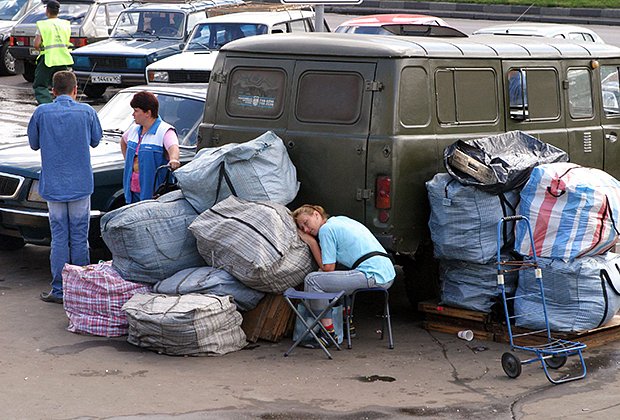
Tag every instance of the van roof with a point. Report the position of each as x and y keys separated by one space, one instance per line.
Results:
x=480 y=46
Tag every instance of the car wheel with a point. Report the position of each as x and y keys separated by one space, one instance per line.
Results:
x=9 y=243
x=94 y=91
x=29 y=69
x=7 y=62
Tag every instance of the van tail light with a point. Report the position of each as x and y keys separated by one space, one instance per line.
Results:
x=78 y=41
x=20 y=41
x=383 y=199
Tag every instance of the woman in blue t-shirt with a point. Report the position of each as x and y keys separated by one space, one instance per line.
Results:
x=347 y=242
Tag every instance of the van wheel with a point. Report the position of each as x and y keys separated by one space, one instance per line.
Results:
x=7 y=62
x=421 y=275
x=95 y=91
x=29 y=69
x=10 y=243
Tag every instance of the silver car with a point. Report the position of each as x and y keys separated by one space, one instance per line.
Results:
x=549 y=30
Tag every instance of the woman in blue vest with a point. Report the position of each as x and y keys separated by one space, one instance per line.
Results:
x=148 y=144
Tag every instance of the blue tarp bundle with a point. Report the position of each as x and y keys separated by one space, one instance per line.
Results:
x=212 y=281
x=472 y=286
x=580 y=295
x=463 y=221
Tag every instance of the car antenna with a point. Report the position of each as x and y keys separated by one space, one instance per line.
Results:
x=86 y=84
x=526 y=10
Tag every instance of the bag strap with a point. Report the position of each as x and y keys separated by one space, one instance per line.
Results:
x=370 y=255
x=223 y=175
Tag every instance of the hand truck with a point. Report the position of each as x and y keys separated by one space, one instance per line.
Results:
x=554 y=353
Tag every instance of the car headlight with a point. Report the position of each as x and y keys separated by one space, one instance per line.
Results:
x=81 y=62
x=33 y=194
x=158 y=76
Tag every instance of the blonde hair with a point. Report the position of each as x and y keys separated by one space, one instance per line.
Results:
x=309 y=209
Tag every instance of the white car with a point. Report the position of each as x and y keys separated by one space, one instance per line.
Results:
x=194 y=63
x=549 y=30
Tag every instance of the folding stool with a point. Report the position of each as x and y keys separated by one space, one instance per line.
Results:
x=292 y=294
x=350 y=301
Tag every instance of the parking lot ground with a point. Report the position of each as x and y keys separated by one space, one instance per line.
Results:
x=48 y=372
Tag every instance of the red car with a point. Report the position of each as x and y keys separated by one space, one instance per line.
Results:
x=399 y=24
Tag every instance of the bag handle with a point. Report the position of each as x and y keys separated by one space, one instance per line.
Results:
x=223 y=175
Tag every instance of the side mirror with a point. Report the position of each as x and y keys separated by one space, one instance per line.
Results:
x=182 y=46
x=109 y=31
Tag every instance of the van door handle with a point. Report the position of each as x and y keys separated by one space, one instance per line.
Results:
x=611 y=137
x=359 y=149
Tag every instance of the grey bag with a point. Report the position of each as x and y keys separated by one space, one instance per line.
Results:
x=472 y=286
x=257 y=170
x=580 y=295
x=212 y=281
x=193 y=324
x=463 y=220
x=257 y=243
x=149 y=240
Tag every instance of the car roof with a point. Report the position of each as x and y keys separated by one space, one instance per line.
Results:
x=191 y=91
x=395 y=18
x=533 y=29
x=360 y=46
x=267 y=18
x=183 y=6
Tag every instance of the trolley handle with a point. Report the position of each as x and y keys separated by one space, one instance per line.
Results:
x=512 y=218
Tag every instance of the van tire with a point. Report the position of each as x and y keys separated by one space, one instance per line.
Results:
x=421 y=275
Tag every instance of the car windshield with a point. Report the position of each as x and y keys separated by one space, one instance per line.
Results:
x=211 y=36
x=183 y=113
x=10 y=8
x=369 y=30
x=74 y=13
x=149 y=23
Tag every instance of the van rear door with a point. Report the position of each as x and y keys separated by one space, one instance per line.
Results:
x=328 y=131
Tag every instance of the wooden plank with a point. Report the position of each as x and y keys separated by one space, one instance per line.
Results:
x=432 y=307
x=451 y=329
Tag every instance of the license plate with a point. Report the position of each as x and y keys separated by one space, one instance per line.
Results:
x=34 y=51
x=106 y=78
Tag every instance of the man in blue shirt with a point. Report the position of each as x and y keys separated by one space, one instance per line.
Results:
x=63 y=131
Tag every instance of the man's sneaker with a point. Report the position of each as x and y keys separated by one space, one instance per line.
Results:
x=325 y=339
x=352 y=328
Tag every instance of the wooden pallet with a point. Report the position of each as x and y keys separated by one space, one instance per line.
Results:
x=450 y=320
x=271 y=320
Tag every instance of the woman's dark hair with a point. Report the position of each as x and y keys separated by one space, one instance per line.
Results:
x=146 y=101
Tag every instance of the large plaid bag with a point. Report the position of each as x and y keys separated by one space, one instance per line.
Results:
x=192 y=324
x=93 y=297
x=573 y=212
x=257 y=242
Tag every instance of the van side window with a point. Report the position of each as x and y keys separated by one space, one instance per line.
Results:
x=256 y=93
x=329 y=97
x=610 y=87
x=533 y=94
x=580 y=93
x=414 y=97
x=459 y=98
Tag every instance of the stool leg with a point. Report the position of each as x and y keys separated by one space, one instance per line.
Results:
x=388 y=321
x=347 y=320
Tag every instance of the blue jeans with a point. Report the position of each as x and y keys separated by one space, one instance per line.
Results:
x=69 y=225
x=335 y=281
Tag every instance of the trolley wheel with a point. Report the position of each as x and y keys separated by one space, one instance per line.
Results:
x=556 y=361
x=511 y=365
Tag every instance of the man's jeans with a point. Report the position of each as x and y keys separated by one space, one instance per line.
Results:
x=69 y=224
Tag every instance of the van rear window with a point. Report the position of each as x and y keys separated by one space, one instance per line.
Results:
x=329 y=97
x=256 y=93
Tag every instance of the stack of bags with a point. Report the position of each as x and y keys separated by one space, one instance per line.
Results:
x=573 y=212
x=207 y=250
x=482 y=186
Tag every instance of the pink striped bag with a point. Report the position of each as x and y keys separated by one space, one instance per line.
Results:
x=572 y=211
x=93 y=296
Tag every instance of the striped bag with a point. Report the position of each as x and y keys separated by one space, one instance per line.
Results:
x=256 y=242
x=93 y=297
x=192 y=324
x=572 y=211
